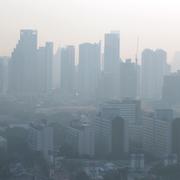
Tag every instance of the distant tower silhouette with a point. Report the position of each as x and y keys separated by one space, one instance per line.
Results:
x=68 y=71
x=23 y=64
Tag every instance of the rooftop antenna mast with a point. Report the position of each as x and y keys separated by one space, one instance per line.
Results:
x=137 y=50
x=137 y=71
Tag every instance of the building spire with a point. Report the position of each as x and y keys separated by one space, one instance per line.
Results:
x=137 y=50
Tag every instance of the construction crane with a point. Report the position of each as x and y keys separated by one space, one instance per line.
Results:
x=137 y=50
x=137 y=71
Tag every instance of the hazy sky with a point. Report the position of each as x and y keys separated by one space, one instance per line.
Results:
x=156 y=22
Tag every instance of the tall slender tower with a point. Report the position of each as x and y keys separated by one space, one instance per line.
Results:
x=44 y=73
x=67 y=83
x=111 y=52
x=111 y=73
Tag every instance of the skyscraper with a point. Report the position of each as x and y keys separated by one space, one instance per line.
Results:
x=175 y=137
x=171 y=89
x=118 y=137
x=57 y=69
x=23 y=64
x=111 y=65
x=157 y=132
x=128 y=112
x=49 y=61
x=40 y=137
x=154 y=67
x=111 y=52
x=88 y=70
x=67 y=83
x=44 y=71
x=3 y=74
x=176 y=61
x=148 y=75
x=128 y=80
x=161 y=70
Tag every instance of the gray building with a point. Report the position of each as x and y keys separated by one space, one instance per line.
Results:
x=129 y=78
x=23 y=65
x=154 y=68
x=67 y=81
x=89 y=70
x=157 y=133
x=81 y=138
x=44 y=65
x=4 y=74
x=41 y=139
x=130 y=112
x=171 y=89
x=111 y=78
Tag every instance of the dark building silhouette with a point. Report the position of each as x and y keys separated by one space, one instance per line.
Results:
x=176 y=137
x=120 y=174
x=118 y=137
x=128 y=80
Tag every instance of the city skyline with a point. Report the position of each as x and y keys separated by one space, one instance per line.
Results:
x=137 y=55
x=90 y=90
x=171 y=56
x=73 y=22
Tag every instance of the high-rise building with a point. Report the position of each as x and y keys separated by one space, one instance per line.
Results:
x=176 y=62
x=161 y=69
x=44 y=71
x=81 y=139
x=111 y=77
x=118 y=137
x=3 y=144
x=67 y=82
x=3 y=74
x=129 y=111
x=176 y=137
x=154 y=67
x=111 y=52
x=111 y=136
x=49 y=61
x=148 y=75
x=57 y=69
x=88 y=70
x=129 y=80
x=41 y=140
x=148 y=132
x=157 y=133
x=171 y=88
x=23 y=64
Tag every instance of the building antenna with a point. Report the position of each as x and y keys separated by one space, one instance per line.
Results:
x=137 y=74
x=137 y=50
